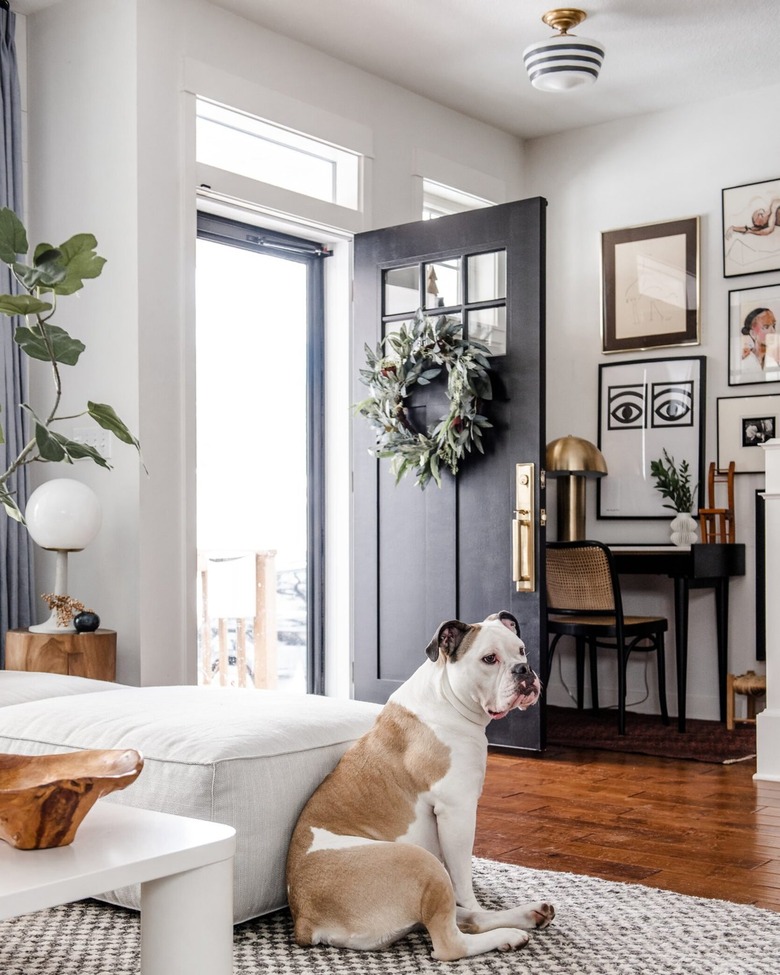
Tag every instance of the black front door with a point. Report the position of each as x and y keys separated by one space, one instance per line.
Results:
x=424 y=556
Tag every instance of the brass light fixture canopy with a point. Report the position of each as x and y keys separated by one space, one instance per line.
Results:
x=564 y=18
x=564 y=61
x=572 y=460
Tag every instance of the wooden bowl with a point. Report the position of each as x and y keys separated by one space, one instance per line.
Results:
x=44 y=798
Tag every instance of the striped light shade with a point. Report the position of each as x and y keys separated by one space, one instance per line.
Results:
x=563 y=61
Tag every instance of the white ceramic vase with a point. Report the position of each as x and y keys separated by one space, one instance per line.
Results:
x=684 y=527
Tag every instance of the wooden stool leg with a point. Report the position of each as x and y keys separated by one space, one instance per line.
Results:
x=729 y=702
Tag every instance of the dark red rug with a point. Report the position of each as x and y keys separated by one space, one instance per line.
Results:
x=702 y=741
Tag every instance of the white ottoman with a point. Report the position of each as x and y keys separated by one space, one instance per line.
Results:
x=247 y=758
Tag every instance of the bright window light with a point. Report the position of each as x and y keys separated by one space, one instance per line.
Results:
x=240 y=143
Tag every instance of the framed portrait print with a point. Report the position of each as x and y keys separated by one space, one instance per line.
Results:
x=744 y=423
x=751 y=235
x=754 y=349
x=645 y=407
x=650 y=286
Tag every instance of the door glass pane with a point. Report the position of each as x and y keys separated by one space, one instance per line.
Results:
x=488 y=325
x=402 y=289
x=251 y=468
x=487 y=276
x=442 y=283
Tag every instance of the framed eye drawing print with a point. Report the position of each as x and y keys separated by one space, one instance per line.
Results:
x=744 y=423
x=645 y=407
x=751 y=228
x=650 y=286
x=754 y=342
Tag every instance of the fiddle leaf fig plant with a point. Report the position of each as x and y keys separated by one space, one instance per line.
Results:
x=52 y=272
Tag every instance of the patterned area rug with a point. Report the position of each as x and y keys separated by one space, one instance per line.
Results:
x=601 y=928
x=702 y=741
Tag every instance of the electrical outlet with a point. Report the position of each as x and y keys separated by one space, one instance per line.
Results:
x=95 y=437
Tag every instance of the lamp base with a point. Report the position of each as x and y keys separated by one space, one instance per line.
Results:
x=52 y=625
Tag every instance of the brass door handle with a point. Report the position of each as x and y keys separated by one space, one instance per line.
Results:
x=523 y=552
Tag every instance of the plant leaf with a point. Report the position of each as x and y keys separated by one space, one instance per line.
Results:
x=80 y=261
x=61 y=347
x=13 y=237
x=49 y=446
x=105 y=416
x=22 y=305
x=11 y=507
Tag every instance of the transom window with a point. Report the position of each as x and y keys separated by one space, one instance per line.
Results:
x=257 y=149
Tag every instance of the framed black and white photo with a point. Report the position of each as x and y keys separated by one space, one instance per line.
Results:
x=751 y=235
x=754 y=353
x=650 y=286
x=645 y=407
x=744 y=423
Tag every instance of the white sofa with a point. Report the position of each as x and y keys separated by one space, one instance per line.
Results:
x=247 y=758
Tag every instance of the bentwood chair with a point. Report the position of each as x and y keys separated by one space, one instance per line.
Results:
x=584 y=602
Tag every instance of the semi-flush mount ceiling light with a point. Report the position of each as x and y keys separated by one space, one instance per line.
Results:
x=563 y=61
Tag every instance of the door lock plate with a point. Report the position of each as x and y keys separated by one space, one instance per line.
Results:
x=523 y=554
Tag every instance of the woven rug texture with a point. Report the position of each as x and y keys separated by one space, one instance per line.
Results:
x=702 y=741
x=601 y=928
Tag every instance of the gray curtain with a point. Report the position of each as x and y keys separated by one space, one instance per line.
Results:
x=17 y=601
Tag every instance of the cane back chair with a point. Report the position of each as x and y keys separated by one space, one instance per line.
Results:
x=584 y=602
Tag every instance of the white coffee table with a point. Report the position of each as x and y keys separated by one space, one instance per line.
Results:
x=184 y=866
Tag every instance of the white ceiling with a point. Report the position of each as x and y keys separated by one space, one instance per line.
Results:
x=467 y=54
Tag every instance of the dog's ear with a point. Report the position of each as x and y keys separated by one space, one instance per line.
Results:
x=507 y=619
x=447 y=639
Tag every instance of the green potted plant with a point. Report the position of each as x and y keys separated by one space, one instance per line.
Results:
x=50 y=273
x=673 y=482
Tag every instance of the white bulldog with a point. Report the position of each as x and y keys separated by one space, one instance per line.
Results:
x=385 y=843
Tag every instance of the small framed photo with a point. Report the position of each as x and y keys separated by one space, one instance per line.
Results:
x=650 y=286
x=744 y=423
x=754 y=342
x=751 y=228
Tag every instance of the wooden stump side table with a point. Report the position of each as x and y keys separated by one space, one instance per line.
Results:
x=77 y=654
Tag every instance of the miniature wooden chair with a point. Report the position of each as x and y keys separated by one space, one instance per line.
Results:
x=717 y=524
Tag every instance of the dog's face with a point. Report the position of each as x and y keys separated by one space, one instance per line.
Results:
x=487 y=663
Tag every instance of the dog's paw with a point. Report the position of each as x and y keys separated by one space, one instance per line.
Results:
x=543 y=913
x=512 y=939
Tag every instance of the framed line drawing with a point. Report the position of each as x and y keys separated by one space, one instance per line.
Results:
x=744 y=423
x=650 y=286
x=751 y=228
x=646 y=406
x=754 y=352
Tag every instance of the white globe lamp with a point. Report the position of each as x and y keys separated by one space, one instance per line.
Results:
x=62 y=516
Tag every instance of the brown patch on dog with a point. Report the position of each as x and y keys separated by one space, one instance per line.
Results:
x=368 y=796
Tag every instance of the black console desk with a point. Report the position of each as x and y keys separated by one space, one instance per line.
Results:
x=707 y=566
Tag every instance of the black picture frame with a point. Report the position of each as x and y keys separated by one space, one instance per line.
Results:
x=743 y=424
x=748 y=248
x=650 y=284
x=646 y=406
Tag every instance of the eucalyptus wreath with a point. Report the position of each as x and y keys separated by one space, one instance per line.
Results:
x=414 y=355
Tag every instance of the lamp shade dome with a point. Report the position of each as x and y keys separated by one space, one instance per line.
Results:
x=563 y=62
x=63 y=515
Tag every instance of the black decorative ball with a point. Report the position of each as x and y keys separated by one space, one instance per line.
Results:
x=86 y=622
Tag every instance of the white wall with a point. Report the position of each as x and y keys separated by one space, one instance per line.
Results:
x=646 y=170
x=110 y=153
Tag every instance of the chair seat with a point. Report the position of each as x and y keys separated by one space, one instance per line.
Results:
x=570 y=624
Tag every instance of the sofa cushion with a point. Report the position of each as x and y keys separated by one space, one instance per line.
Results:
x=19 y=686
x=248 y=758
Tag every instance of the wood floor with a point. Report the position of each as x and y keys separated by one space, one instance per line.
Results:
x=695 y=828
